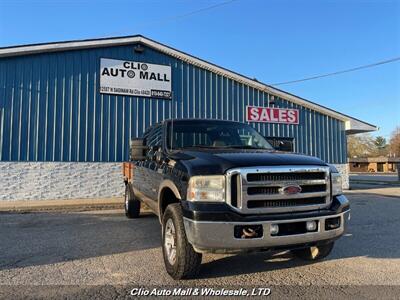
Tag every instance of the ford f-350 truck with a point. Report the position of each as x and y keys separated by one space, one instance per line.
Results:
x=220 y=187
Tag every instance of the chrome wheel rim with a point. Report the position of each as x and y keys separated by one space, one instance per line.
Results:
x=169 y=241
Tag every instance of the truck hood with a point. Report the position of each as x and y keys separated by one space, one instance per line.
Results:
x=208 y=162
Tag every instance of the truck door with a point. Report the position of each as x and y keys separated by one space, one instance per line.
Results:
x=152 y=168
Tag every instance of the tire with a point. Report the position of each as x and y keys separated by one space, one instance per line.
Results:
x=185 y=263
x=132 y=205
x=314 y=253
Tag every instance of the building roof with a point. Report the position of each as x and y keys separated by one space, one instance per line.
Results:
x=379 y=159
x=352 y=125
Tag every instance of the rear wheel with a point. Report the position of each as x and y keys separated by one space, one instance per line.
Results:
x=181 y=261
x=314 y=253
x=132 y=205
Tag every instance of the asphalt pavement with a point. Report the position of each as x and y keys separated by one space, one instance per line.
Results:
x=378 y=177
x=91 y=249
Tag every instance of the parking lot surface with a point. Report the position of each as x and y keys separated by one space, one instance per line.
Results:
x=105 y=248
x=378 y=177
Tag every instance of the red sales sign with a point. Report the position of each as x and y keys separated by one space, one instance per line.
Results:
x=272 y=115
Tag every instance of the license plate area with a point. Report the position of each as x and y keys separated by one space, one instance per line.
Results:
x=287 y=229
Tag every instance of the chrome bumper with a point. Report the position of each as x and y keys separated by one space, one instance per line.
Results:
x=218 y=237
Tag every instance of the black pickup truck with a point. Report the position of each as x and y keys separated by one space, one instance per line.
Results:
x=220 y=187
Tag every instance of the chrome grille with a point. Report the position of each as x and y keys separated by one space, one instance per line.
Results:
x=284 y=176
x=261 y=189
x=285 y=203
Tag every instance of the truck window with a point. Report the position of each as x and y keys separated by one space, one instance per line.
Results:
x=154 y=136
x=214 y=135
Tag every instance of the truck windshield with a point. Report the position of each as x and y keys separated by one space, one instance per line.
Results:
x=218 y=134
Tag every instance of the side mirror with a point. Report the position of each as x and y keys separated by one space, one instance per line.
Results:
x=158 y=154
x=153 y=152
x=137 y=149
x=285 y=146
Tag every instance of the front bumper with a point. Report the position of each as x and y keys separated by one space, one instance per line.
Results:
x=218 y=236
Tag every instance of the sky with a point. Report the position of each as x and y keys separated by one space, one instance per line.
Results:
x=271 y=40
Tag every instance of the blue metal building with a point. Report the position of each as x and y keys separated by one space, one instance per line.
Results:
x=51 y=108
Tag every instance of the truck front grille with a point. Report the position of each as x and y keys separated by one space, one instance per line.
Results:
x=264 y=189
x=273 y=190
x=284 y=176
x=285 y=203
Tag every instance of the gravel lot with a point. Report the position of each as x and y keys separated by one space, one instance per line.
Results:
x=105 y=248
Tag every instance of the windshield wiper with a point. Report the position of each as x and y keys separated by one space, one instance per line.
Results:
x=223 y=147
x=197 y=146
x=244 y=147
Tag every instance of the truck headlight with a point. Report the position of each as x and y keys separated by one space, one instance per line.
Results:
x=336 y=184
x=206 y=188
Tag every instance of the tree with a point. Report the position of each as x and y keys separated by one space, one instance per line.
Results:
x=361 y=145
x=364 y=145
x=380 y=142
x=381 y=145
x=395 y=142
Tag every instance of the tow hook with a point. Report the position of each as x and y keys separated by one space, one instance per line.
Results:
x=248 y=231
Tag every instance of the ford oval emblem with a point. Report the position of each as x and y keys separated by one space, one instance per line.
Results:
x=291 y=189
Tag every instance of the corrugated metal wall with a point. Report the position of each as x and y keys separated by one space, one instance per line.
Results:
x=51 y=108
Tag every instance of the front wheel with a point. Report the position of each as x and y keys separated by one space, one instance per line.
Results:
x=314 y=253
x=181 y=261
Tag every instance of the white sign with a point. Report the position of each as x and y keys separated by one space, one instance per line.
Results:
x=132 y=78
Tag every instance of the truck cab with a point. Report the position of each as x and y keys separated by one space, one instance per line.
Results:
x=220 y=187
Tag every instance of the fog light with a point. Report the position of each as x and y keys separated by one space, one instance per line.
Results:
x=311 y=226
x=274 y=229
